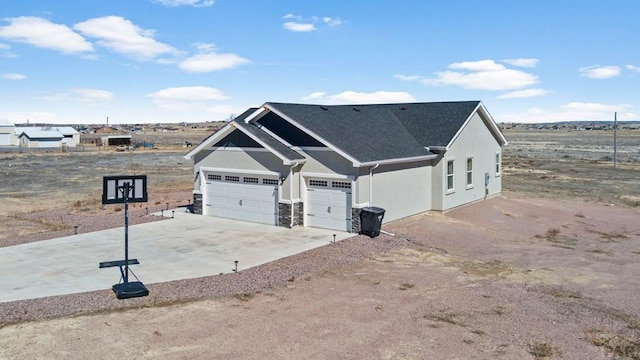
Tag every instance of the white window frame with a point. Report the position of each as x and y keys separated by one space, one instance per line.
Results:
x=468 y=180
x=498 y=163
x=451 y=189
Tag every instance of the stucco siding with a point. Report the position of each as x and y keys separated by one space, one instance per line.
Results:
x=326 y=162
x=402 y=190
x=475 y=142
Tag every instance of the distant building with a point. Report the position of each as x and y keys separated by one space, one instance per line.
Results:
x=71 y=137
x=7 y=134
x=35 y=138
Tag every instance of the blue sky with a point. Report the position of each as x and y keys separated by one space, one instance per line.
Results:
x=148 y=61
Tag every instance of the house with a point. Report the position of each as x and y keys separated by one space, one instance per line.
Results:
x=7 y=134
x=36 y=138
x=316 y=165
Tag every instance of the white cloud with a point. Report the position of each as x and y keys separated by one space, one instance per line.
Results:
x=84 y=95
x=331 y=21
x=121 y=35
x=478 y=75
x=194 y=3
x=44 y=34
x=209 y=60
x=600 y=72
x=292 y=16
x=573 y=111
x=522 y=62
x=7 y=47
x=32 y=116
x=298 y=23
x=633 y=68
x=481 y=65
x=180 y=98
x=526 y=93
x=352 y=97
x=14 y=76
x=408 y=77
x=298 y=27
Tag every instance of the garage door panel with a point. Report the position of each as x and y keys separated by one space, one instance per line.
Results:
x=329 y=209
x=242 y=201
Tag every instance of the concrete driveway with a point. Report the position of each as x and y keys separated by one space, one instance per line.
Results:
x=187 y=246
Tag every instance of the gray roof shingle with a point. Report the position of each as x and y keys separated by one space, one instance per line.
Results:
x=382 y=131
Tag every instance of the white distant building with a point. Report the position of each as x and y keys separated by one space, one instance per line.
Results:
x=71 y=136
x=35 y=138
x=46 y=137
x=7 y=133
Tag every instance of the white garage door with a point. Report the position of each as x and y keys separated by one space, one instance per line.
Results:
x=329 y=204
x=5 y=139
x=238 y=197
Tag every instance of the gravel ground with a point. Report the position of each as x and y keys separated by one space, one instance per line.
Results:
x=503 y=278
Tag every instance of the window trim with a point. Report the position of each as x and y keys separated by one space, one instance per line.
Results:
x=469 y=185
x=498 y=163
x=452 y=175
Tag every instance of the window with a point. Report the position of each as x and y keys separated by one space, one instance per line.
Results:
x=318 y=183
x=270 y=181
x=232 y=178
x=469 y=172
x=341 y=185
x=214 y=177
x=450 y=176
x=498 y=164
x=252 y=180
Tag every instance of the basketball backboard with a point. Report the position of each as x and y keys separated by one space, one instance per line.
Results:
x=113 y=189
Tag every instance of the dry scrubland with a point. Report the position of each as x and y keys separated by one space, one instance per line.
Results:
x=550 y=271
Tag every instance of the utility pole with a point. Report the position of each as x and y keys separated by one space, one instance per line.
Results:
x=615 y=139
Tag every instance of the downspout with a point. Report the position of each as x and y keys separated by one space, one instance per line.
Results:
x=371 y=183
x=291 y=191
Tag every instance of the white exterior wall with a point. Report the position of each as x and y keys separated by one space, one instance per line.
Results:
x=476 y=141
x=402 y=189
x=7 y=135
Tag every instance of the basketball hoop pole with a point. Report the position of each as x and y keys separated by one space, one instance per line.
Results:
x=125 y=195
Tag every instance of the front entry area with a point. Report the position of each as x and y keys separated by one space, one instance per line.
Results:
x=328 y=204
x=245 y=197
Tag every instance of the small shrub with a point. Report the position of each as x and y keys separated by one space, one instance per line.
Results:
x=540 y=350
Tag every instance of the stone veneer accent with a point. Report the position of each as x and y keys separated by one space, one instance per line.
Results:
x=197 y=204
x=356 y=227
x=284 y=214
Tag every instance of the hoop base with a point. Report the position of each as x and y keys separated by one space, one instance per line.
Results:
x=130 y=290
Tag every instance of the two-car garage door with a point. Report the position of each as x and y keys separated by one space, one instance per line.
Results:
x=242 y=197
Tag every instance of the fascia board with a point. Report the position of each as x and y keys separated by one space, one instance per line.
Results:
x=258 y=113
x=284 y=159
x=398 y=160
x=314 y=135
x=492 y=124
x=487 y=119
x=226 y=130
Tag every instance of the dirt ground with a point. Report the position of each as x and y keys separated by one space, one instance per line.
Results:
x=550 y=270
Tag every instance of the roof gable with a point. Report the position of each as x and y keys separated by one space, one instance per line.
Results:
x=239 y=134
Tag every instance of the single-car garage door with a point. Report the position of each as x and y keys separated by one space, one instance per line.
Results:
x=242 y=197
x=5 y=139
x=329 y=204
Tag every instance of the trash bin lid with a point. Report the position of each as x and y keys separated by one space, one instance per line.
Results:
x=374 y=209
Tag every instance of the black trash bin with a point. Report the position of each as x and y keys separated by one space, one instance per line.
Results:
x=371 y=221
